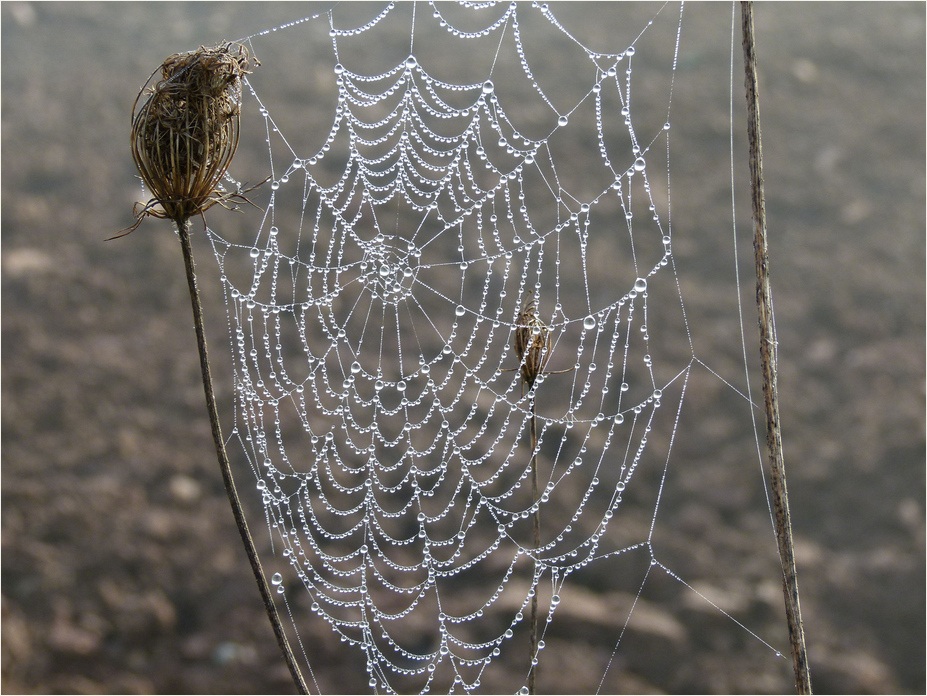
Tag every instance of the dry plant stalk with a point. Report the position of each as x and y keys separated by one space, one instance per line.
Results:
x=768 y=358
x=532 y=344
x=186 y=132
x=184 y=137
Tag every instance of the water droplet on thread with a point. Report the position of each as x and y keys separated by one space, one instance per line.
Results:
x=589 y=323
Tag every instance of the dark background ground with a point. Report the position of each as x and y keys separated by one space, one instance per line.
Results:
x=122 y=571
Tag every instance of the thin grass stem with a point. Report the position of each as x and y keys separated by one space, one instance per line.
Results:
x=532 y=667
x=183 y=228
x=768 y=357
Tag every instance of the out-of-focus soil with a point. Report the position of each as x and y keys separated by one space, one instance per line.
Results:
x=122 y=571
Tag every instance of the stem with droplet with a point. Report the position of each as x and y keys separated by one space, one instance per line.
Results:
x=532 y=667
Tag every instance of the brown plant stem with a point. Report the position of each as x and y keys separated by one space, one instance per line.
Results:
x=768 y=357
x=183 y=229
x=532 y=673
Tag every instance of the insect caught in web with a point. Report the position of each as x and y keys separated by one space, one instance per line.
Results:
x=533 y=344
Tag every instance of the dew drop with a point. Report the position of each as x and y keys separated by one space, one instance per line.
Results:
x=640 y=164
x=562 y=121
x=276 y=579
x=554 y=600
x=640 y=284
x=589 y=323
x=460 y=311
x=488 y=87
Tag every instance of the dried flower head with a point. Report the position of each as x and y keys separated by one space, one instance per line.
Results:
x=186 y=132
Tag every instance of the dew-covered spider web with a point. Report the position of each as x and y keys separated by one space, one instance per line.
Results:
x=460 y=340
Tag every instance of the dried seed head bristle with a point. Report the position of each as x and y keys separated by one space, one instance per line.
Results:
x=186 y=132
x=532 y=343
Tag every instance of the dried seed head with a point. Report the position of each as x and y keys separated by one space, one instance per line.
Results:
x=186 y=132
x=532 y=343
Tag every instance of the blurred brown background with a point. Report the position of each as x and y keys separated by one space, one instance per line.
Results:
x=121 y=567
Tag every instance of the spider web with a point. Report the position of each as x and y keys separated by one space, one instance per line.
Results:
x=401 y=455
